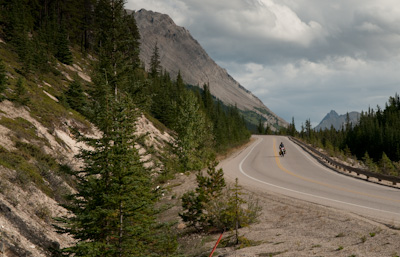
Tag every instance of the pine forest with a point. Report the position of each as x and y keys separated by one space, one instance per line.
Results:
x=374 y=140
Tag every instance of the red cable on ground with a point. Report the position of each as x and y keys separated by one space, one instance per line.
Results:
x=216 y=244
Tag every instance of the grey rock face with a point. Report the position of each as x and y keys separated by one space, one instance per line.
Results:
x=337 y=121
x=179 y=51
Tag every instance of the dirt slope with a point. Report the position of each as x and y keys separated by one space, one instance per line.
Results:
x=26 y=212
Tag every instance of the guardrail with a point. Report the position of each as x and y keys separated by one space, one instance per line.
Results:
x=380 y=177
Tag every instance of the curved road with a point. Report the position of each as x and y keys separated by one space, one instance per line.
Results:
x=298 y=175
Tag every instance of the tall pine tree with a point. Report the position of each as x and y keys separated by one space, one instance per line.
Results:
x=113 y=210
x=155 y=64
x=63 y=54
x=193 y=145
x=114 y=42
x=75 y=96
x=3 y=78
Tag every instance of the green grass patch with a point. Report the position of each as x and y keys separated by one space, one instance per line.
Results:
x=21 y=128
x=10 y=59
x=340 y=235
x=262 y=111
x=29 y=161
x=30 y=151
x=363 y=239
x=245 y=242
x=160 y=126
x=229 y=241
x=33 y=165
x=46 y=110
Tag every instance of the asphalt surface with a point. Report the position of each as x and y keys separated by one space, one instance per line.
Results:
x=298 y=175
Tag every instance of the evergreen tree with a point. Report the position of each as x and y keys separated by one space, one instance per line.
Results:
x=18 y=25
x=164 y=99
x=237 y=212
x=212 y=206
x=292 y=128
x=194 y=202
x=233 y=213
x=180 y=85
x=193 y=145
x=113 y=209
x=370 y=163
x=268 y=130
x=134 y=44
x=386 y=166
x=77 y=16
x=155 y=64
x=260 y=127
x=308 y=129
x=63 y=54
x=222 y=139
x=375 y=138
x=21 y=94
x=75 y=96
x=15 y=20
x=117 y=60
x=208 y=101
x=3 y=78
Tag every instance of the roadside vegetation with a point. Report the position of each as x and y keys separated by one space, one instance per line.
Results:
x=47 y=46
x=373 y=141
x=212 y=206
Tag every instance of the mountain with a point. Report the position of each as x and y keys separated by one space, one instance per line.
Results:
x=336 y=120
x=179 y=51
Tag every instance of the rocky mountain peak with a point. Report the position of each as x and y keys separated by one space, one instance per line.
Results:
x=336 y=120
x=332 y=114
x=179 y=51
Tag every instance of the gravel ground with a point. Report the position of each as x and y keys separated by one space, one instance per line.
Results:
x=290 y=227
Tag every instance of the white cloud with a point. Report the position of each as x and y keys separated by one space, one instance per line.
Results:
x=369 y=27
x=302 y=58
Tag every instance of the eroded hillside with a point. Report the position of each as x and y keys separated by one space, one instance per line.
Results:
x=37 y=151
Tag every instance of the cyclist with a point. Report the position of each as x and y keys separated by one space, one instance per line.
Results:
x=282 y=150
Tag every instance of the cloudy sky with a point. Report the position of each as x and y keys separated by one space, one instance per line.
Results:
x=302 y=58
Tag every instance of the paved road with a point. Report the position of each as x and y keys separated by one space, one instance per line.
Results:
x=298 y=175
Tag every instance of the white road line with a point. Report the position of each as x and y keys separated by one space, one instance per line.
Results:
x=306 y=194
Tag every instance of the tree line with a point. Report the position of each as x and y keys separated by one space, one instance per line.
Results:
x=113 y=212
x=44 y=30
x=374 y=139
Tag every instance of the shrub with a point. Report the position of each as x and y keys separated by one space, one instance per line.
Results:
x=232 y=211
x=43 y=212
x=212 y=206
x=387 y=166
x=208 y=189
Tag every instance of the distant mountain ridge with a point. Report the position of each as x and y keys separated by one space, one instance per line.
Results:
x=179 y=51
x=336 y=120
